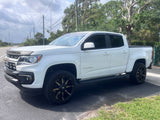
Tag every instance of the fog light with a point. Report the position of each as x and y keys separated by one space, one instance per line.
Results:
x=26 y=78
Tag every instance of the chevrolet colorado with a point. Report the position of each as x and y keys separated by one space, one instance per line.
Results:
x=55 y=69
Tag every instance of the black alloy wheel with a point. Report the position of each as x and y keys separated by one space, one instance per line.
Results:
x=138 y=75
x=141 y=73
x=60 y=87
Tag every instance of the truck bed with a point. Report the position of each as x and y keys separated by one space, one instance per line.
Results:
x=137 y=46
x=141 y=52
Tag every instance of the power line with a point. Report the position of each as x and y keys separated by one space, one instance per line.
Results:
x=40 y=20
x=56 y=23
x=45 y=11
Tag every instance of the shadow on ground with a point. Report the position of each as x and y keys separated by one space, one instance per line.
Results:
x=93 y=95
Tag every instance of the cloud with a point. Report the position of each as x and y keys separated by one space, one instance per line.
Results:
x=18 y=17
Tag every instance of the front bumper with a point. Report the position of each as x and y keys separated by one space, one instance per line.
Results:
x=18 y=78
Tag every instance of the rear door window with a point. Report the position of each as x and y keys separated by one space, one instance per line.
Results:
x=116 y=41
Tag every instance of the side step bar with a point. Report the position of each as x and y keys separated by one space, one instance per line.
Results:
x=103 y=78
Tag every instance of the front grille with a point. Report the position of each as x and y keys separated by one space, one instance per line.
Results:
x=10 y=65
x=13 y=56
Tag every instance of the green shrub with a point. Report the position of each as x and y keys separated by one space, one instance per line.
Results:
x=137 y=42
x=150 y=43
x=156 y=57
x=143 y=43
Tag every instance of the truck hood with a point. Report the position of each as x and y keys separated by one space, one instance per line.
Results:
x=36 y=48
x=44 y=49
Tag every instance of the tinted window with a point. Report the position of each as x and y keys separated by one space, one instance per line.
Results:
x=116 y=41
x=98 y=40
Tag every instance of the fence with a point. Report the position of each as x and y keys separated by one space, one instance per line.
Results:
x=156 y=57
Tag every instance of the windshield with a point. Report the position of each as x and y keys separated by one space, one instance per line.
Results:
x=70 y=39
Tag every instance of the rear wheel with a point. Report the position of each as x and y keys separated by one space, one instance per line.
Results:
x=60 y=87
x=138 y=75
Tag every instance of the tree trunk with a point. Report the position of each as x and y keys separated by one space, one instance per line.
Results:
x=129 y=38
x=129 y=33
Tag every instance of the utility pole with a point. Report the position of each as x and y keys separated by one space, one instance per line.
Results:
x=50 y=20
x=76 y=12
x=9 y=37
x=43 y=31
x=29 y=35
x=33 y=32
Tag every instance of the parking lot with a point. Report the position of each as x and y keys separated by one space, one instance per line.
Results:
x=88 y=97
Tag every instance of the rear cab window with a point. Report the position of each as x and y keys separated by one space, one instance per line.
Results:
x=116 y=41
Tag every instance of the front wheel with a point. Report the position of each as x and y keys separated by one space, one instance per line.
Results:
x=138 y=75
x=60 y=86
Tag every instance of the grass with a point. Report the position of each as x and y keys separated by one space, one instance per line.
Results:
x=137 y=109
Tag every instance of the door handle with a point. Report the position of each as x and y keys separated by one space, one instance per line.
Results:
x=106 y=53
x=124 y=52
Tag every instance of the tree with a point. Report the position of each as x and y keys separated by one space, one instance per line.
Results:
x=37 y=41
x=68 y=22
x=137 y=19
x=90 y=15
x=3 y=43
x=53 y=35
x=39 y=38
x=149 y=22
x=113 y=13
x=128 y=14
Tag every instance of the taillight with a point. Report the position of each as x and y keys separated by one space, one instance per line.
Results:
x=152 y=54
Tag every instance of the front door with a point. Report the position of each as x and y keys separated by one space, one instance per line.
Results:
x=94 y=62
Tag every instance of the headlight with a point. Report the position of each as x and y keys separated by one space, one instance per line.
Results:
x=25 y=60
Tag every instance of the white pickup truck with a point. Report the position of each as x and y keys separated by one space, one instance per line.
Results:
x=57 y=68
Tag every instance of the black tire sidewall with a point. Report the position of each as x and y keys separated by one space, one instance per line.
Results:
x=133 y=76
x=50 y=83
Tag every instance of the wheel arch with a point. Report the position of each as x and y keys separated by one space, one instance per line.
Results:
x=141 y=61
x=70 y=67
x=132 y=64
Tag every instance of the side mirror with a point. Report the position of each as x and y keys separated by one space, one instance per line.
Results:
x=88 y=45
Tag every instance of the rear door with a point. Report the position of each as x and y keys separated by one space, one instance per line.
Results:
x=118 y=56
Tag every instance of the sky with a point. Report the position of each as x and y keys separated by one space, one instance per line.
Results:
x=20 y=18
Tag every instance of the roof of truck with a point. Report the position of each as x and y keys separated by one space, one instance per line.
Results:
x=90 y=32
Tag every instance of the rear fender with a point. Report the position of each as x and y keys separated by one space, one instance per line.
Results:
x=133 y=60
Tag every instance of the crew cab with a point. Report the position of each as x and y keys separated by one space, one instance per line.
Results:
x=73 y=58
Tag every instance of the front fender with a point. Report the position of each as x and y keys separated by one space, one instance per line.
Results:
x=63 y=59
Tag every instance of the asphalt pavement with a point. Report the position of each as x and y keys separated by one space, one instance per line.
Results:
x=17 y=106
x=2 y=52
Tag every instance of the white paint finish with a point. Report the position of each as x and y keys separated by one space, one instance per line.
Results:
x=139 y=53
x=118 y=58
x=40 y=68
x=94 y=63
x=89 y=63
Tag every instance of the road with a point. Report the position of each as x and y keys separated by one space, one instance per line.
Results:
x=2 y=52
x=88 y=97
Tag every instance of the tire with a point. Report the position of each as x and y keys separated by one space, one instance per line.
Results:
x=138 y=75
x=59 y=87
